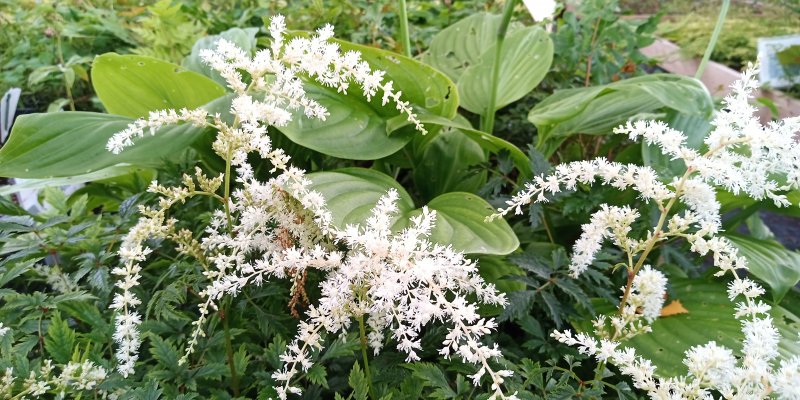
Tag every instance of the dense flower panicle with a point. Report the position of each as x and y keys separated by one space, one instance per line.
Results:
x=743 y=156
x=647 y=292
x=395 y=283
x=608 y=222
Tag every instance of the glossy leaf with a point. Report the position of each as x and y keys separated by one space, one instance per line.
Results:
x=352 y=193
x=525 y=58
x=709 y=318
x=353 y=129
x=487 y=141
x=74 y=143
x=444 y=165
x=461 y=222
x=769 y=261
x=462 y=44
x=597 y=110
x=133 y=86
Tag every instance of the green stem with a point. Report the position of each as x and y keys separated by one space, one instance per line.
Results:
x=363 y=334
x=227 y=184
x=714 y=36
x=60 y=55
x=405 y=38
x=487 y=119
x=229 y=351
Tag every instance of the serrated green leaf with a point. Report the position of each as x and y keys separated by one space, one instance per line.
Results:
x=432 y=376
x=164 y=352
x=318 y=375
x=60 y=340
x=358 y=382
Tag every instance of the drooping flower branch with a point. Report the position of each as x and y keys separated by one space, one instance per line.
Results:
x=742 y=157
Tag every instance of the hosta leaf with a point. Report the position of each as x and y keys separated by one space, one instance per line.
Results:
x=352 y=193
x=460 y=221
x=133 y=86
x=461 y=45
x=105 y=173
x=444 y=165
x=486 y=141
x=769 y=261
x=525 y=58
x=597 y=110
x=709 y=318
x=74 y=143
x=355 y=128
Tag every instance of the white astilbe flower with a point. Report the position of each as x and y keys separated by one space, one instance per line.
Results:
x=608 y=222
x=281 y=229
x=74 y=377
x=647 y=293
x=398 y=282
x=743 y=156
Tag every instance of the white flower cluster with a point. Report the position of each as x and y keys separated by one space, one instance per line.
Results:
x=276 y=74
x=743 y=157
x=280 y=229
x=75 y=377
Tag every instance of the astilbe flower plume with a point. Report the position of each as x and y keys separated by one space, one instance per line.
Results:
x=398 y=282
x=742 y=157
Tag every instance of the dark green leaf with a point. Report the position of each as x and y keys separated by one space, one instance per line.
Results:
x=358 y=382
x=60 y=340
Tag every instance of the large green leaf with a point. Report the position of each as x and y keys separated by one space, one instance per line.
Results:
x=352 y=193
x=466 y=50
x=244 y=38
x=709 y=318
x=133 y=86
x=74 y=143
x=769 y=261
x=444 y=165
x=597 y=110
x=461 y=222
x=105 y=173
x=356 y=129
x=525 y=58
x=462 y=44
x=487 y=141
x=695 y=127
